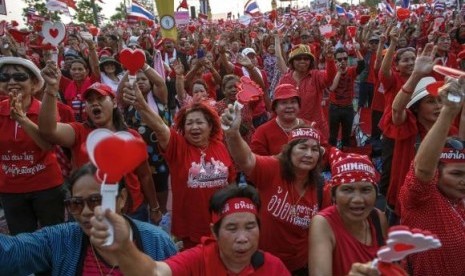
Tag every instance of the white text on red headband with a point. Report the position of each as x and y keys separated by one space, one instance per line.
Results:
x=305 y=133
x=452 y=156
x=235 y=205
x=355 y=167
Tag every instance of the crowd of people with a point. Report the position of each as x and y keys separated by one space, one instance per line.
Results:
x=279 y=186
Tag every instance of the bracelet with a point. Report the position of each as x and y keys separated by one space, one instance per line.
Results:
x=406 y=91
x=55 y=95
x=148 y=67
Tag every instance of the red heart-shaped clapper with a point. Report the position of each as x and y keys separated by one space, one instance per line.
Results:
x=249 y=91
x=399 y=247
x=319 y=17
x=53 y=32
x=116 y=157
x=364 y=19
x=191 y=28
x=93 y=30
x=253 y=34
x=132 y=60
x=433 y=88
x=403 y=14
x=390 y=269
x=352 y=30
x=448 y=72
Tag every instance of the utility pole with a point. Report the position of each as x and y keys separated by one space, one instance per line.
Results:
x=95 y=12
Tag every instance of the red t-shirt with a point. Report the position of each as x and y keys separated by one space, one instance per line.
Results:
x=210 y=81
x=378 y=102
x=194 y=180
x=449 y=61
x=80 y=157
x=391 y=86
x=348 y=249
x=311 y=89
x=424 y=207
x=92 y=267
x=25 y=167
x=343 y=95
x=204 y=260
x=406 y=135
x=285 y=215
x=73 y=95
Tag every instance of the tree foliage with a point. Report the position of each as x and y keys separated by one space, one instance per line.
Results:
x=120 y=13
x=41 y=9
x=85 y=11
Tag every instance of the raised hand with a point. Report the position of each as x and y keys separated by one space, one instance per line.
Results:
x=425 y=61
x=394 y=34
x=51 y=74
x=178 y=68
x=133 y=96
x=16 y=107
x=231 y=119
x=244 y=60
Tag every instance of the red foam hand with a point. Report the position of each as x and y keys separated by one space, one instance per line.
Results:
x=352 y=30
x=249 y=91
x=132 y=60
x=115 y=157
x=403 y=14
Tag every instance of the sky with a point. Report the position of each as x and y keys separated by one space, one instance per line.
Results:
x=14 y=7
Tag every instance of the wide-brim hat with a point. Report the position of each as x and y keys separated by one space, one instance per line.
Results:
x=108 y=59
x=426 y=86
x=299 y=50
x=25 y=63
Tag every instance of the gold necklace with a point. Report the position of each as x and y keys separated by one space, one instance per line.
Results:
x=287 y=130
x=98 y=263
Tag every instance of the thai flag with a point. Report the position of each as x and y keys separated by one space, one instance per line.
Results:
x=405 y=4
x=340 y=10
x=251 y=7
x=439 y=6
x=389 y=7
x=138 y=11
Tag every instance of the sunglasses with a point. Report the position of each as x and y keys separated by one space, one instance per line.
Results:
x=302 y=58
x=341 y=59
x=455 y=143
x=20 y=77
x=75 y=205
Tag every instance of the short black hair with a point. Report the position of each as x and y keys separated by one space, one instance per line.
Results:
x=219 y=198
x=340 y=50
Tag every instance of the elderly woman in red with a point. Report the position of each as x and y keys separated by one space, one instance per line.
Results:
x=351 y=230
x=433 y=195
x=102 y=112
x=290 y=186
x=196 y=154
x=233 y=249
x=270 y=137
x=310 y=83
x=30 y=177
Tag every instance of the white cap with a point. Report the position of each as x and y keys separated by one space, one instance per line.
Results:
x=25 y=63
x=247 y=51
x=420 y=90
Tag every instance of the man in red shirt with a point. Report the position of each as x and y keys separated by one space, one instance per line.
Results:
x=233 y=249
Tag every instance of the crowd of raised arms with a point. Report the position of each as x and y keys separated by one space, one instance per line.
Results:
x=355 y=130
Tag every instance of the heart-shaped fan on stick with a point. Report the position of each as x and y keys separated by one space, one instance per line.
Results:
x=451 y=73
x=403 y=241
x=133 y=61
x=248 y=91
x=114 y=155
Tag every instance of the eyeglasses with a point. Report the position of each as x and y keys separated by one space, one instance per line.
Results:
x=75 y=205
x=302 y=58
x=342 y=58
x=20 y=77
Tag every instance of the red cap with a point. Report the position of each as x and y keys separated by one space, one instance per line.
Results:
x=285 y=91
x=100 y=88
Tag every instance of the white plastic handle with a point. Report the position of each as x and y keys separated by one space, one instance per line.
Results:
x=236 y=104
x=55 y=56
x=109 y=193
x=132 y=79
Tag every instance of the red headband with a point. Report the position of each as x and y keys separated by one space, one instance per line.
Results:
x=304 y=133
x=450 y=155
x=235 y=205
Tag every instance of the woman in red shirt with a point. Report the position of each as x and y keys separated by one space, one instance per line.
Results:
x=351 y=230
x=102 y=112
x=30 y=177
x=433 y=195
x=290 y=187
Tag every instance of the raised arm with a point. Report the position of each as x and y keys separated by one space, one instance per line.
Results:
x=280 y=62
x=429 y=153
x=238 y=148
x=228 y=66
x=423 y=67
x=386 y=65
x=179 y=85
x=51 y=130
x=159 y=88
x=93 y=59
x=134 y=97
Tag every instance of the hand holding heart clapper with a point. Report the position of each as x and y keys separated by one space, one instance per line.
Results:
x=133 y=61
x=53 y=32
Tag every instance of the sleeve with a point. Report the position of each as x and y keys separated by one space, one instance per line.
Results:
x=414 y=192
x=64 y=82
x=176 y=146
x=258 y=144
x=157 y=243
x=327 y=76
x=266 y=169
x=399 y=132
x=238 y=71
x=187 y=262
x=25 y=254
x=387 y=82
x=78 y=129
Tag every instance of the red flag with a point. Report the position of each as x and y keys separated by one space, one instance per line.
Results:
x=70 y=3
x=183 y=5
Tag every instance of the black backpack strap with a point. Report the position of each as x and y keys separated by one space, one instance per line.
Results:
x=377 y=223
x=319 y=191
